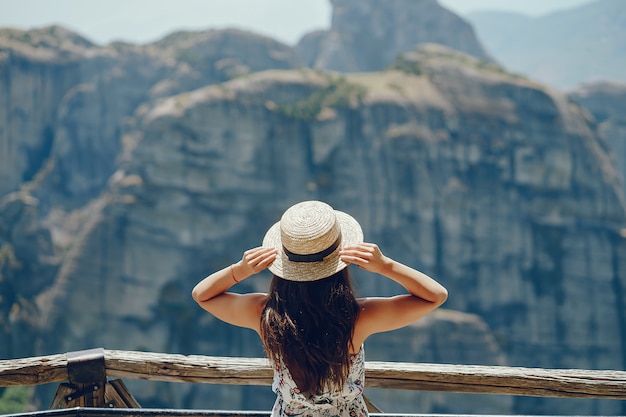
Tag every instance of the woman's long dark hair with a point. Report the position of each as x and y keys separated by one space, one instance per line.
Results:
x=309 y=325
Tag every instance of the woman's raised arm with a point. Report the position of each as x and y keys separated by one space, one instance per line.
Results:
x=242 y=310
x=381 y=314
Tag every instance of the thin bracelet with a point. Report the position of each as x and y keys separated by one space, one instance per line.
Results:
x=232 y=274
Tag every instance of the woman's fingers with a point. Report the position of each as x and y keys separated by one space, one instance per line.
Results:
x=365 y=255
x=359 y=255
x=266 y=258
x=259 y=258
x=361 y=250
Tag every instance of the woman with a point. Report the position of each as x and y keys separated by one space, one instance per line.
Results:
x=311 y=325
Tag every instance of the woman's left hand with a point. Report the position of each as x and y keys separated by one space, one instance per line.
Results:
x=365 y=255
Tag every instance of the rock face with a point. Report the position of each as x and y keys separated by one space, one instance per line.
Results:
x=499 y=187
x=606 y=101
x=36 y=70
x=367 y=35
x=70 y=100
x=28 y=265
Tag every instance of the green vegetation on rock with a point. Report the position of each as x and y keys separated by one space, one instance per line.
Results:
x=338 y=93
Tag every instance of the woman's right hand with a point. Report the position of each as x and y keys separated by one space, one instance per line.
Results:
x=254 y=261
x=238 y=309
x=367 y=256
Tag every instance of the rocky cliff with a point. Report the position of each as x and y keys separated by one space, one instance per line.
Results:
x=153 y=166
x=606 y=102
x=368 y=35
x=68 y=100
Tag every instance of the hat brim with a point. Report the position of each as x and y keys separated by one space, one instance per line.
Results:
x=351 y=234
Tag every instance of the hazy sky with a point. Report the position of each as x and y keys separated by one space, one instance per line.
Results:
x=140 y=21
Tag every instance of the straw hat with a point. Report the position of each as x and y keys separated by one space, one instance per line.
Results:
x=309 y=237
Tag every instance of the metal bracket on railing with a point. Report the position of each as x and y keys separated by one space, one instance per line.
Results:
x=87 y=384
x=86 y=366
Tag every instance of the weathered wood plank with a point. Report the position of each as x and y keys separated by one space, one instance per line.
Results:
x=392 y=375
x=190 y=368
x=572 y=383
x=33 y=371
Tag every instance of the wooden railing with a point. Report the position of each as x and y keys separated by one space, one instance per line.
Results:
x=73 y=367
x=394 y=375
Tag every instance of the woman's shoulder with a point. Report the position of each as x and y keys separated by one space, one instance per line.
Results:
x=382 y=314
x=258 y=299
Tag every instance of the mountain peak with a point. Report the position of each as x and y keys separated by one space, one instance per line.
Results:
x=564 y=48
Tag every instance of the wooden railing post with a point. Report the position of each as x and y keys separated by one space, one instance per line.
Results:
x=86 y=381
x=87 y=384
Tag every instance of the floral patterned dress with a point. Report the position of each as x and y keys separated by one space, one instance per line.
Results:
x=348 y=402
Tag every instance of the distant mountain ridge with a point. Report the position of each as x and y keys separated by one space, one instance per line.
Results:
x=564 y=48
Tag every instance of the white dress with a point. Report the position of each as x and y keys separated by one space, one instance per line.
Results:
x=348 y=402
